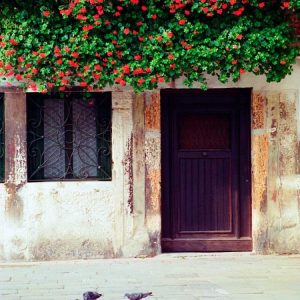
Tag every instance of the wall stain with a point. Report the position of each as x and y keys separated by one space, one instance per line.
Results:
x=14 y=205
x=258 y=111
x=128 y=169
x=260 y=170
x=152 y=112
x=64 y=249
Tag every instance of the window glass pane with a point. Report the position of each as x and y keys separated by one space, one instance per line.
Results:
x=204 y=131
x=54 y=138
x=85 y=163
x=1 y=137
x=69 y=138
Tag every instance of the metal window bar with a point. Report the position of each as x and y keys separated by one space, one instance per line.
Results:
x=1 y=138
x=69 y=138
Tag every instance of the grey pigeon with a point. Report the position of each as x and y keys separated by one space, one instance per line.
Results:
x=91 y=295
x=137 y=296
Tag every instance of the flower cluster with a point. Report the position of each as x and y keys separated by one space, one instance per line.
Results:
x=95 y=43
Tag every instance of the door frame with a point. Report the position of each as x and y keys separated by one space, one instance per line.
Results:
x=244 y=242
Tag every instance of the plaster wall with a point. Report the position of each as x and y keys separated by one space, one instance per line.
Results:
x=275 y=160
x=121 y=218
x=67 y=220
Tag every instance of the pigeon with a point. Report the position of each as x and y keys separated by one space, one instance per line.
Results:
x=91 y=295
x=137 y=296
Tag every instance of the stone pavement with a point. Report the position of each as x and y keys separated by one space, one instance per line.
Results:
x=168 y=276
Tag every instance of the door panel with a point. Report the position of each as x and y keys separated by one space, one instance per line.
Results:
x=205 y=166
x=204 y=200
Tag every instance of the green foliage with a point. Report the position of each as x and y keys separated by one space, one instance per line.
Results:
x=95 y=43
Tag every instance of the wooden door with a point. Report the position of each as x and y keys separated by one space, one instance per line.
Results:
x=206 y=203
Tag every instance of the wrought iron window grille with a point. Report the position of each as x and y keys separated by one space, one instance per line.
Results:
x=2 y=137
x=69 y=137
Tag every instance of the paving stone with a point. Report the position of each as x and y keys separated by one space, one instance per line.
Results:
x=169 y=276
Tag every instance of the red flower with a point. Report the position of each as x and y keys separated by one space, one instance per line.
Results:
x=75 y=54
x=97 y=67
x=10 y=52
x=87 y=27
x=65 y=12
x=18 y=77
x=73 y=64
x=239 y=11
x=126 y=30
x=81 y=17
x=141 y=81
x=239 y=36
x=13 y=42
x=126 y=69
x=261 y=4
x=64 y=81
x=46 y=13
x=96 y=76
x=137 y=57
x=134 y=1
x=59 y=61
x=282 y=62
x=286 y=4
x=181 y=22
x=83 y=84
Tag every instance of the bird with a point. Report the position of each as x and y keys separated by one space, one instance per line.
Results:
x=137 y=296
x=91 y=295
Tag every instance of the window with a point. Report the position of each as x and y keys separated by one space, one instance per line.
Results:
x=69 y=137
x=1 y=137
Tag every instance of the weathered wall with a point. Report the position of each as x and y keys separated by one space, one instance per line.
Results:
x=66 y=220
x=275 y=160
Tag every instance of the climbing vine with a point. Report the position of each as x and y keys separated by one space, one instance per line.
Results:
x=141 y=43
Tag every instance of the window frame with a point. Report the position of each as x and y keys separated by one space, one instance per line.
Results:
x=101 y=159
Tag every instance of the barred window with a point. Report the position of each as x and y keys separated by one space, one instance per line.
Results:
x=1 y=137
x=69 y=137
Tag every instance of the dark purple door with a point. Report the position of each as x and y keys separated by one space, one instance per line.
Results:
x=206 y=204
